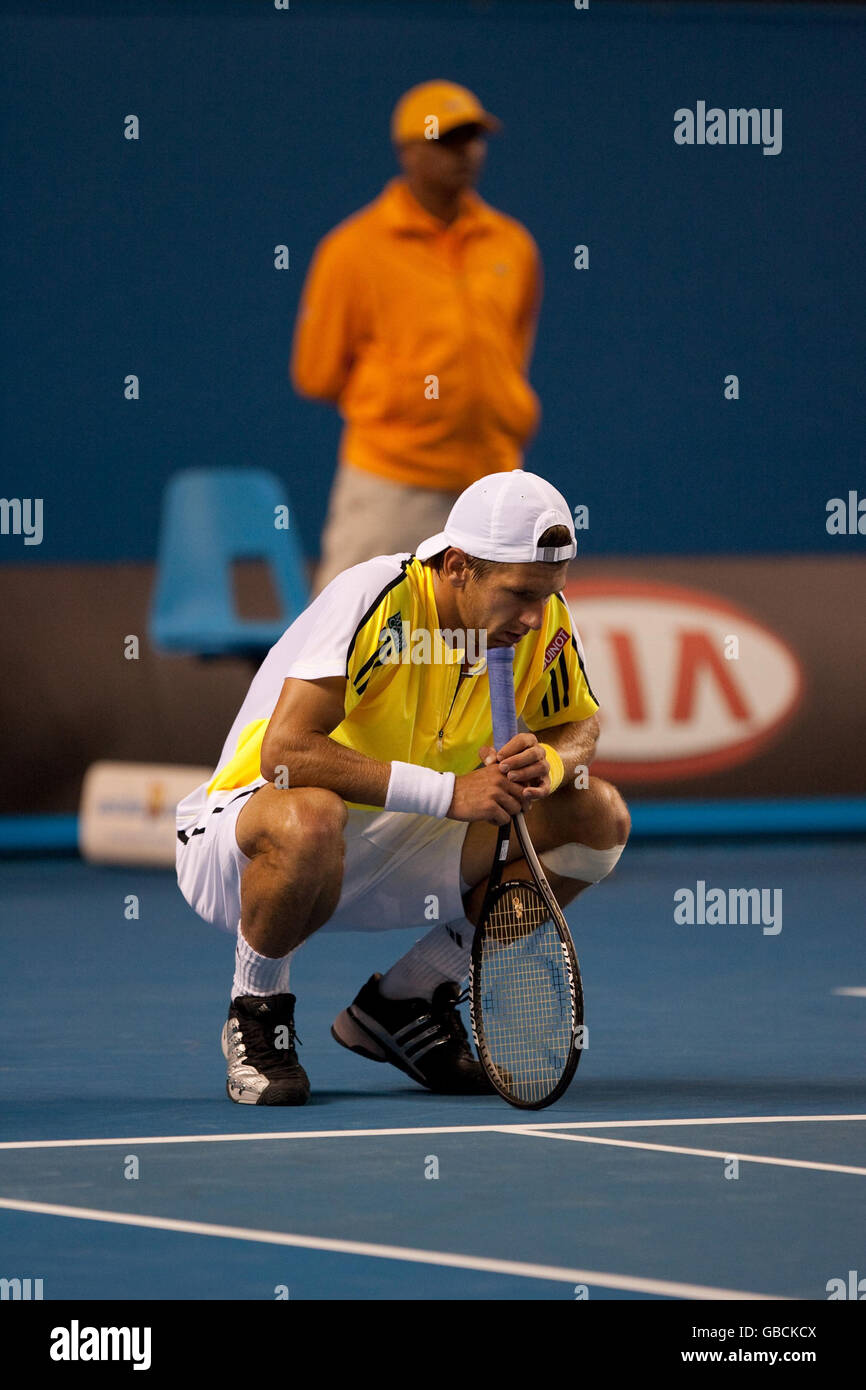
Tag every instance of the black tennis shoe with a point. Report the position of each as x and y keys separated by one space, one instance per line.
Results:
x=258 y=1039
x=424 y=1038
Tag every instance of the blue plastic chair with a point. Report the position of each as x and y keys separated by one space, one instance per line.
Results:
x=210 y=518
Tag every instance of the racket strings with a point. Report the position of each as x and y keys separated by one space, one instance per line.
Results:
x=526 y=993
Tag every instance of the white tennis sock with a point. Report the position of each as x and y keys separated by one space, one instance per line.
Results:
x=443 y=954
x=255 y=974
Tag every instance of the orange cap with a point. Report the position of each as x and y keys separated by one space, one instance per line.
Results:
x=450 y=104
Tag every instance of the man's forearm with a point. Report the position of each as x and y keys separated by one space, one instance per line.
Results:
x=575 y=743
x=317 y=760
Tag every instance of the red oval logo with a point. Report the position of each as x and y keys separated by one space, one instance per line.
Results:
x=688 y=683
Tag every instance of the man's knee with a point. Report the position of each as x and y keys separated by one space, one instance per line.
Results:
x=303 y=820
x=613 y=812
x=591 y=835
x=600 y=812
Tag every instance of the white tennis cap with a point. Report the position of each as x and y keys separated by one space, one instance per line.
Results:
x=501 y=517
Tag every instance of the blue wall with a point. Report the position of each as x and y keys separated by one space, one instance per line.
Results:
x=261 y=127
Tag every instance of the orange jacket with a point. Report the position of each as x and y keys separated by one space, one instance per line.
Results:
x=422 y=334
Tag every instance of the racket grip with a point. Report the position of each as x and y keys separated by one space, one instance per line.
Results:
x=500 y=674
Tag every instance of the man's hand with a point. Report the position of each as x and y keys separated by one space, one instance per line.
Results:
x=486 y=794
x=524 y=761
x=509 y=782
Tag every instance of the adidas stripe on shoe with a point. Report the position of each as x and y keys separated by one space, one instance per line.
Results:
x=425 y=1038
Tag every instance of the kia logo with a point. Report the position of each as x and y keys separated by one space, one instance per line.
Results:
x=688 y=683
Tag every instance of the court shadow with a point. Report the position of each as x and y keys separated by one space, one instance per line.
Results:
x=325 y=1096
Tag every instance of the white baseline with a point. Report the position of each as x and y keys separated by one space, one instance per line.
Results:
x=419 y=1129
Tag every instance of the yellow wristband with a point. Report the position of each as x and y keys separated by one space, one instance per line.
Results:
x=555 y=763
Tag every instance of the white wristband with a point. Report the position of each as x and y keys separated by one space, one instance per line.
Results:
x=419 y=789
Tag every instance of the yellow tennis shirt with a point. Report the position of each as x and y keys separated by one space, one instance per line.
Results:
x=377 y=624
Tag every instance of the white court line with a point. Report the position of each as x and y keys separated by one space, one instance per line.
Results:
x=423 y=1129
x=856 y=991
x=626 y=1282
x=700 y=1153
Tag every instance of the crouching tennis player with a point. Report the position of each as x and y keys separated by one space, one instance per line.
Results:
x=357 y=788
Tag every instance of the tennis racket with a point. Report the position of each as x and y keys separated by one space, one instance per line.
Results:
x=525 y=990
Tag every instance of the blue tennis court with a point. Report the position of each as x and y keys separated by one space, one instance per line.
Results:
x=711 y=1146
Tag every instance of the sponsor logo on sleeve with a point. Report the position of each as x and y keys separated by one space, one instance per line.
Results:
x=554 y=647
x=391 y=638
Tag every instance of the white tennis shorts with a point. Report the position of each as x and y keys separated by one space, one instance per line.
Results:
x=400 y=870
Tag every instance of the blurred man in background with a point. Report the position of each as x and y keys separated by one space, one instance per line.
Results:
x=418 y=319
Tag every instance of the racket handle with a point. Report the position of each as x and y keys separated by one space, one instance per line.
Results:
x=500 y=674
